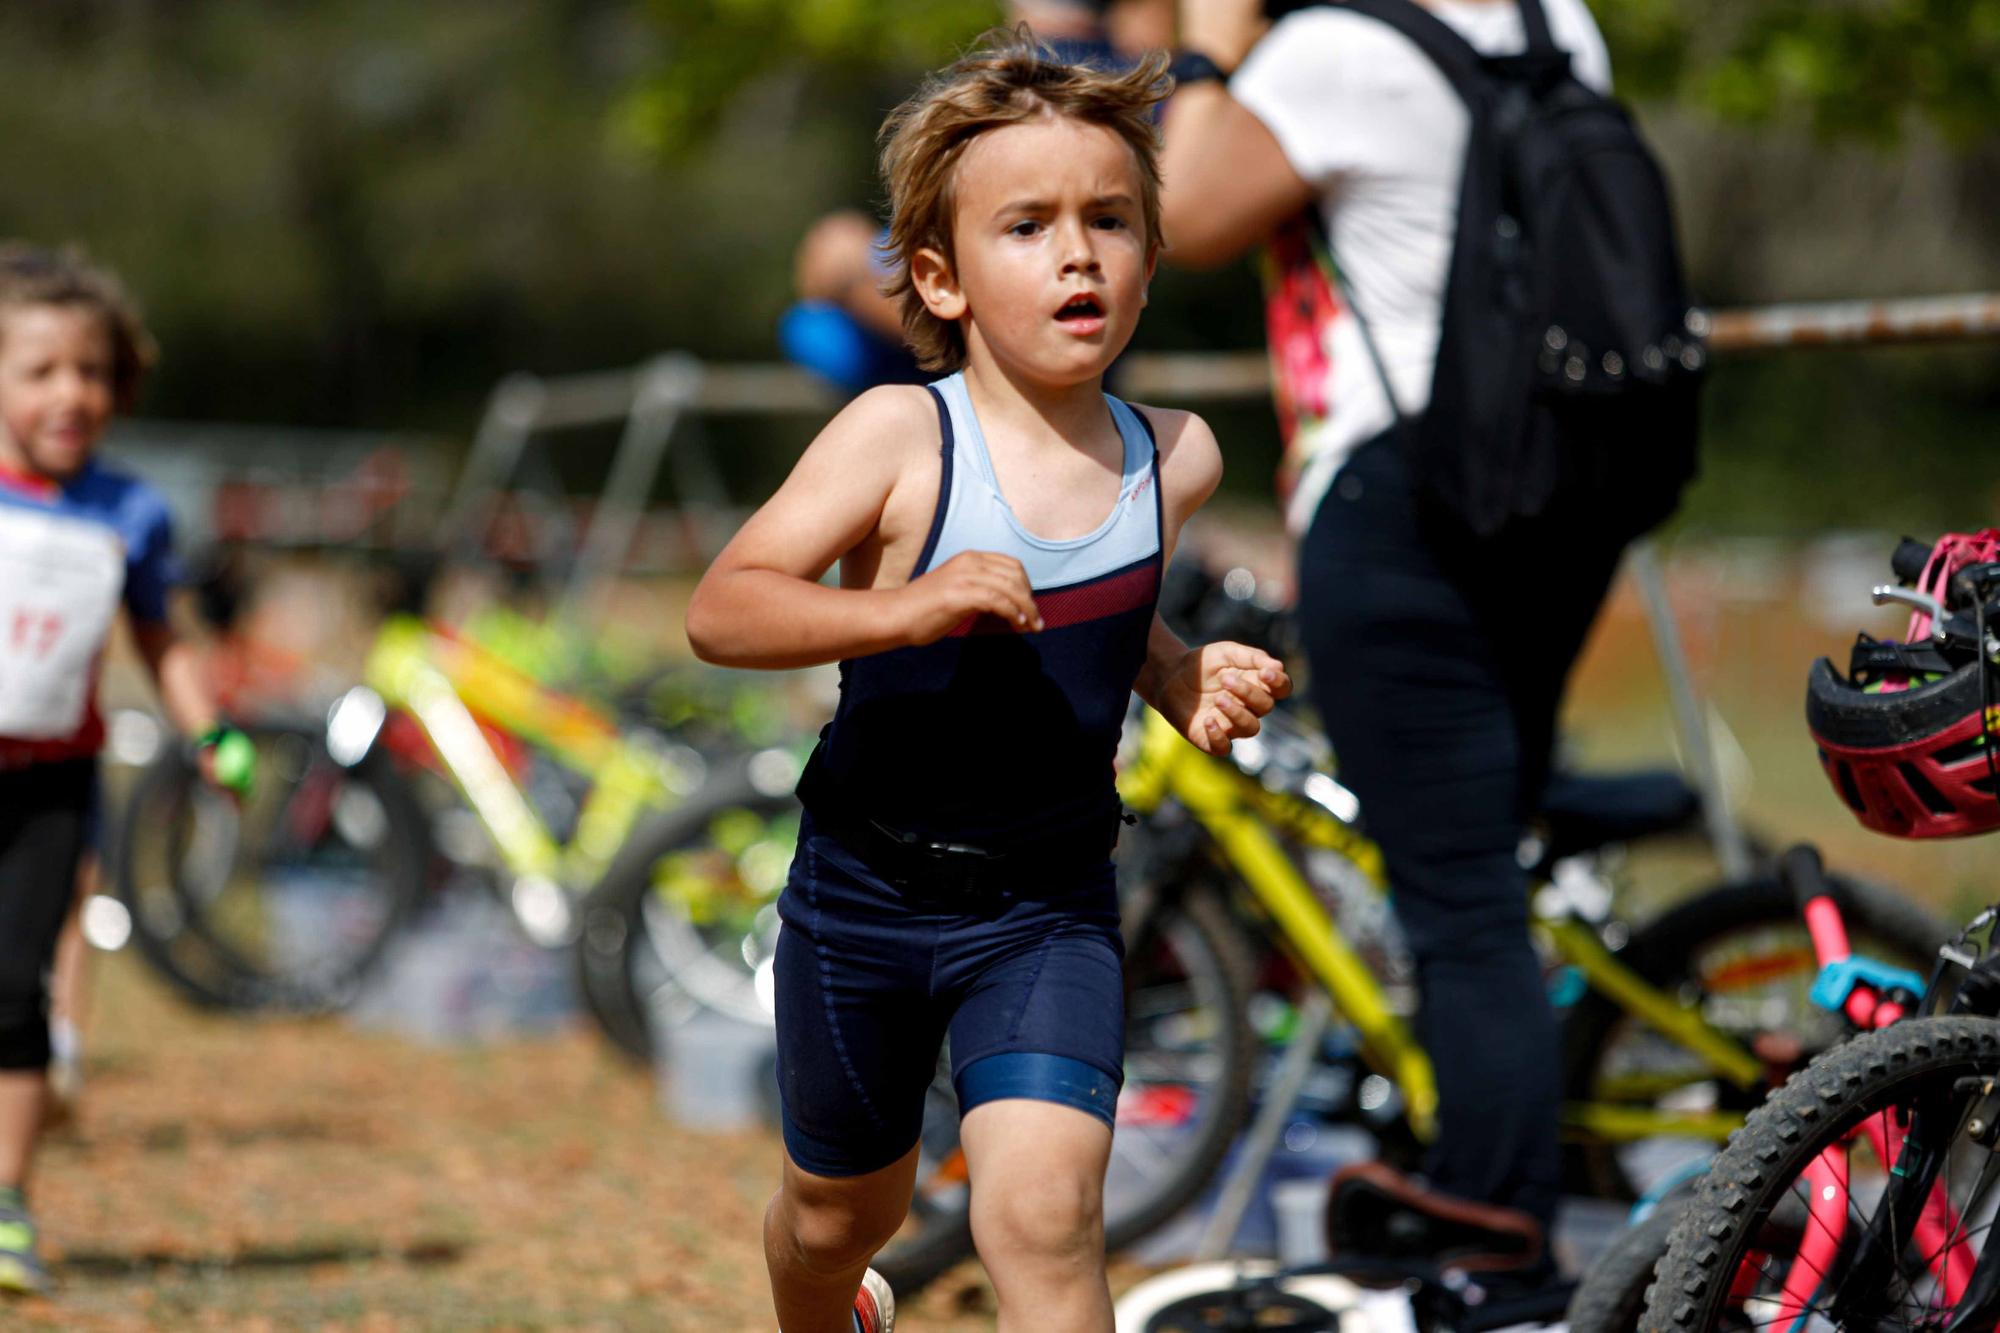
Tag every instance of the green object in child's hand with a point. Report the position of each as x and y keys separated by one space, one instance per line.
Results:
x=235 y=759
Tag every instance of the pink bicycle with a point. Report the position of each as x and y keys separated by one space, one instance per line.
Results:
x=1864 y=1193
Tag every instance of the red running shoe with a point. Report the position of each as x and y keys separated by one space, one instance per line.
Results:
x=874 y=1305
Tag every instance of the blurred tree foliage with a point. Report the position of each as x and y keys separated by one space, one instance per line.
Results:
x=364 y=212
x=1860 y=68
x=1854 y=68
x=710 y=50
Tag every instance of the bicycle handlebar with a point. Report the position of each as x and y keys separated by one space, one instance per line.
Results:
x=1956 y=613
x=1859 y=987
x=1885 y=593
x=1909 y=558
x=1801 y=870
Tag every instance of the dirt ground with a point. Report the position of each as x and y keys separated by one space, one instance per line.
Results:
x=282 y=1175
x=279 y=1175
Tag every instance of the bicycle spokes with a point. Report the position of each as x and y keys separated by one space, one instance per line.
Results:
x=1887 y=1229
x=1826 y=1228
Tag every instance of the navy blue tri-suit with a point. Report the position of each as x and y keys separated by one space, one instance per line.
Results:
x=954 y=873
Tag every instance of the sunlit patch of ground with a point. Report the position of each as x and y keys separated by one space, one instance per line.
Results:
x=280 y=1175
x=234 y=1174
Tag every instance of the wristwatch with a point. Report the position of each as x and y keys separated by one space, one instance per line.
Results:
x=1193 y=67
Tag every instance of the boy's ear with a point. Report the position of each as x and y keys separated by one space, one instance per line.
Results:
x=936 y=284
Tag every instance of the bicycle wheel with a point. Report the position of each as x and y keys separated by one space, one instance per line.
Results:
x=1189 y=1049
x=1613 y=1292
x=1740 y=954
x=687 y=914
x=1253 y=1298
x=1859 y=1197
x=284 y=901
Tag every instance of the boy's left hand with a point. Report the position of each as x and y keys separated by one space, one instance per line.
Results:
x=1216 y=693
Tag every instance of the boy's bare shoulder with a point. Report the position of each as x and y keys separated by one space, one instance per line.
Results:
x=884 y=436
x=889 y=419
x=1190 y=458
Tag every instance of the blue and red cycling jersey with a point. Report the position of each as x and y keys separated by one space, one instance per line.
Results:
x=70 y=556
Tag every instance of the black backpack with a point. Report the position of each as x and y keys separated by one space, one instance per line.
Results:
x=1569 y=358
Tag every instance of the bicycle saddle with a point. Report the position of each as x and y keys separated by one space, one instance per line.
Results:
x=1581 y=813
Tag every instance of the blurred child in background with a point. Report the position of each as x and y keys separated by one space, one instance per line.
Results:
x=77 y=541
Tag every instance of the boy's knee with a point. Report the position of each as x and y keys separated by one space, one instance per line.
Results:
x=1059 y=1221
x=831 y=1234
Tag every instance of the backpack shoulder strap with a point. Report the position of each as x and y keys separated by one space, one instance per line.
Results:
x=1322 y=244
x=1451 y=53
x=1535 y=23
x=1455 y=57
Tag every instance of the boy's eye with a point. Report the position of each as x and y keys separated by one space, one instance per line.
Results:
x=1026 y=227
x=1109 y=222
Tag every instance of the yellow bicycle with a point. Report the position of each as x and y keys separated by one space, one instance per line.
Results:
x=287 y=901
x=1251 y=878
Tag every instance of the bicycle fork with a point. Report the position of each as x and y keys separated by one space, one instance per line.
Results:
x=1912 y=1207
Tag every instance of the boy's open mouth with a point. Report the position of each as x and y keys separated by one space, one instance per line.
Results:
x=1081 y=306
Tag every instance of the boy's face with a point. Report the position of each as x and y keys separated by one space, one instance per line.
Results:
x=55 y=387
x=1051 y=264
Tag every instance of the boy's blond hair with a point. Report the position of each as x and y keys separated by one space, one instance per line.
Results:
x=36 y=275
x=1007 y=78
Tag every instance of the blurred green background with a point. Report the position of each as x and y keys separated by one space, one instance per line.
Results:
x=360 y=213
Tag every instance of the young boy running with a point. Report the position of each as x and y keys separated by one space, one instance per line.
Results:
x=76 y=540
x=1000 y=535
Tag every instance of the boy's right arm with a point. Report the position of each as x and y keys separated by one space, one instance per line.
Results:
x=761 y=603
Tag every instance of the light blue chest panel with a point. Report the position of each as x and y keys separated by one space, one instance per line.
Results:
x=977 y=517
x=996 y=735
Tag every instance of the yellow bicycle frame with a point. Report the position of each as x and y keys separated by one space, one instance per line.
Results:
x=1247 y=823
x=447 y=684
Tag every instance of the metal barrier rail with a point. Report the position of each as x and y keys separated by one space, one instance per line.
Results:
x=650 y=399
x=1219 y=376
x=759 y=389
x=1246 y=375
x=1871 y=323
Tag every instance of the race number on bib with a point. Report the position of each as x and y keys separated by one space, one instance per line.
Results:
x=60 y=581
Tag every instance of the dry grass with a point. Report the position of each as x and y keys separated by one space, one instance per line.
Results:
x=288 y=1175
x=280 y=1175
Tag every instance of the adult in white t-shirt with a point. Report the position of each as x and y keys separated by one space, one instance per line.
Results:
x=1437 y=661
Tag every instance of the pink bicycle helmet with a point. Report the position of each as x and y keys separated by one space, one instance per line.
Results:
x=1910 y=738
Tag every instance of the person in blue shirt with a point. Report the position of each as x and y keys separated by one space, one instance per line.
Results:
x=78 y=542
x=842 y=327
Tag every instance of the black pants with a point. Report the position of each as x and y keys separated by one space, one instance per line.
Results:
x=1438 y=665
x=44 y=820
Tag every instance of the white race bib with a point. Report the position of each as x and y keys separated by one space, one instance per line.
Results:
x=60 y=580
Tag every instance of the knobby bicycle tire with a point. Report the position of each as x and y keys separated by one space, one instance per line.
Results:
x=1752 y=1179
x=1662 y=951
x=1208 y=940
x=172 y=927
x=1613 y=1292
